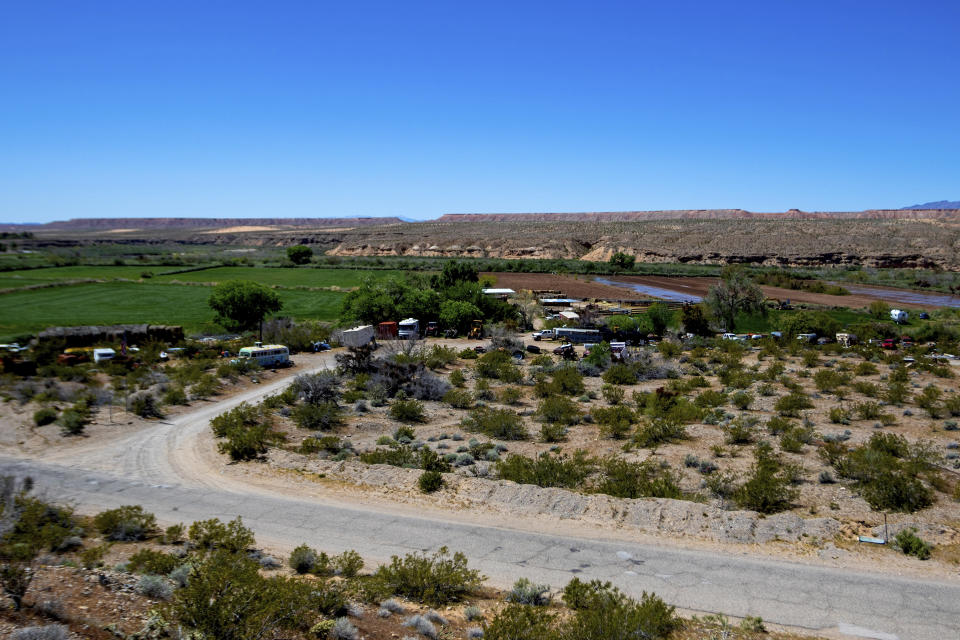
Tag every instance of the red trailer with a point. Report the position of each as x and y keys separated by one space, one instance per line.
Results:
x=387 y=330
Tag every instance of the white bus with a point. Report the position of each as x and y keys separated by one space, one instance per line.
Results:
x=267 y=355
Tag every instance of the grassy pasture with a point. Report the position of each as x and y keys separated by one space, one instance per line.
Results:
x=285 y=277
x=23 y=312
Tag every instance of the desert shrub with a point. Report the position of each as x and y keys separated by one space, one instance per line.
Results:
x=458 y=398
x=612 y=394
x=440 y=356
x=658 y=431
x=31 y=524
x=227 y=598
x=73 y=422
x=929 y=400
x=951 y=404
x=317 y=388
x=175 y=395
x=173 y=534
x=522 y=622
x=153 y=562
x=343 y=629
x=430 y=481
x=767 y=488
x=553 y=432
x=45 y=632
x=792 y=404
x=839 y=415
x=615 y=422
x=710 y=398
x=509 y=395
x=437 y=579
x=44 y=416
x=611 y=615
x=404 y=434
x=503 y=424
x=232 y=537
x=421 y=625
x=559 y=410
x=623 y=479
x=427 y=386
x=242 y=416
x=912 y=545
x=155 y=587
x=867 y=410
x=828 y=380
x=457 y=378
x=468 y=354
x=526 y=592
x=793 y=439
x=866 y=388
x=620 y=374
x=498 y=365
x=740 y=431
x=317 y=417
x=742 y=400
x=777 y=425
x=865 y=368
x=347 y=564
x=92 y=557
x=249 y=443
x=407 y=410
x=207 y=385
x=547 y=470
x=567 y=381
x=125 y=523
x=303 y=559
x=885 y=470
x=145 y=405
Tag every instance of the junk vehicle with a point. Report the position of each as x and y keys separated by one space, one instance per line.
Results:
x=476 y=330
x=577 y=335
x=409 y=329
x=266 y=355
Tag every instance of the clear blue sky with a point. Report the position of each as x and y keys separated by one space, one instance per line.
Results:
x=416 y=109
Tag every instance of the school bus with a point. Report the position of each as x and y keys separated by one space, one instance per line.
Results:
x=267 y=355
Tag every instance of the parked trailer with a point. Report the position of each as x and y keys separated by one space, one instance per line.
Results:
x=846 y=339
x=899 y=316
x=578 y=336
x=387 y=330
x=357 y=337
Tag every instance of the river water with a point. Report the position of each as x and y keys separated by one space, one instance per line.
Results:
x=656 y=292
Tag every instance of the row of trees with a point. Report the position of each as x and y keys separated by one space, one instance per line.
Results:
x=454 y=298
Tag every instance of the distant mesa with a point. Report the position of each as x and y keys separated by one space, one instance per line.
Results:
x=102 y=224
x=940 y=204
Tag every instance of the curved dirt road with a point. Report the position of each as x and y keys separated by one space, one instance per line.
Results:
x=166 y=468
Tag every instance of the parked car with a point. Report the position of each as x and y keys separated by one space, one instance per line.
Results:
x=532 y=348
x=320 y=345
x=889 y=343
x=537 y=335
x=924 y=315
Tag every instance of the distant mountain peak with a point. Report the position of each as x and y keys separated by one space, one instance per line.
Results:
x=940 y=204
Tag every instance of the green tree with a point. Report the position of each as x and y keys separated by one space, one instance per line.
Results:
x=458 y=314
x=694 y=320
x=622 y=260
x=810 y=322
x=242 y=305
x=879 y=310
x=453 y=273
x=736 y=293
x=299 y=254
x=660 y=317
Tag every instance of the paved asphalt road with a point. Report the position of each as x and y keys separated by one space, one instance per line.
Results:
x=151 y=467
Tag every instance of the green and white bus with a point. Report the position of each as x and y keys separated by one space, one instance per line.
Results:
x=267 y=355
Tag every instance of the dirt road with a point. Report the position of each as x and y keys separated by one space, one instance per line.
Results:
x=171 y=469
